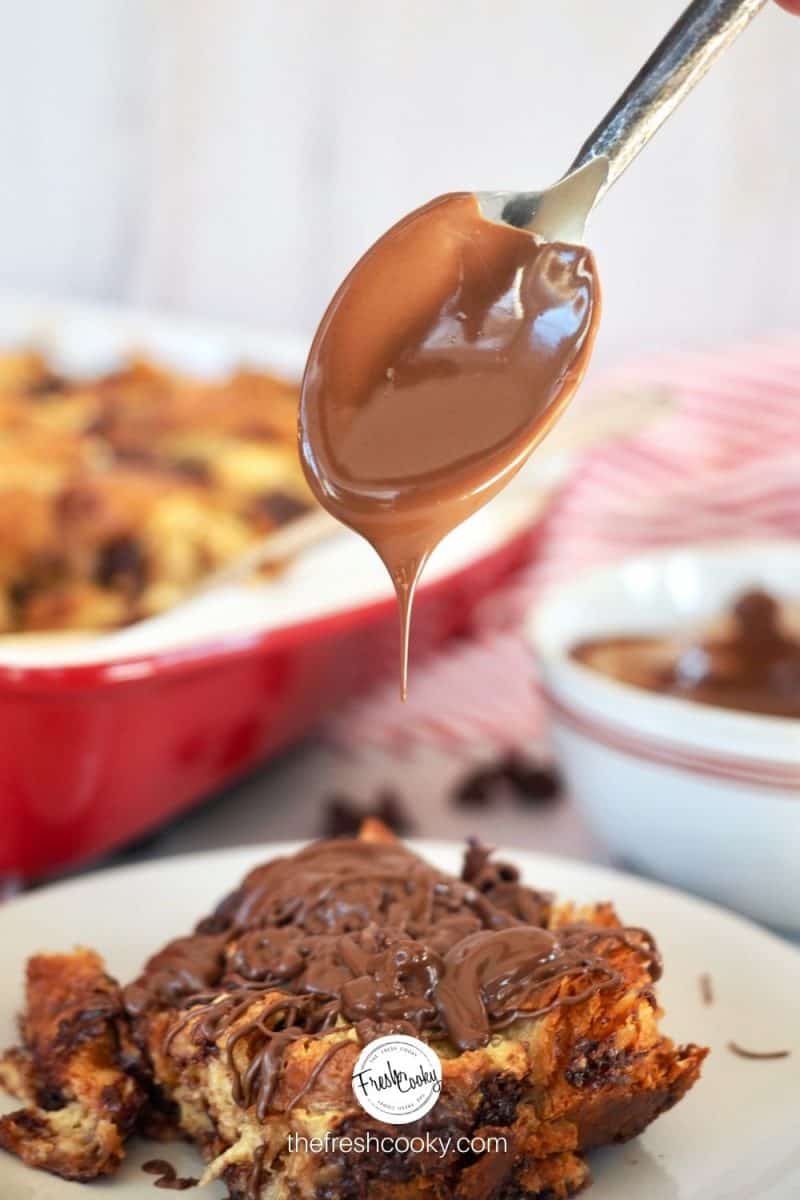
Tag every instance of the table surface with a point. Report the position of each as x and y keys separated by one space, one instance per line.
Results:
x=288 y=799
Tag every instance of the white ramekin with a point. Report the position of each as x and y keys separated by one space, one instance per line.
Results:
x=706 y=798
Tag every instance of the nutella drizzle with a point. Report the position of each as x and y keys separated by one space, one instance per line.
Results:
x=347 y=940
x=442 y=360
x=314 y=1075
x=168 y=1176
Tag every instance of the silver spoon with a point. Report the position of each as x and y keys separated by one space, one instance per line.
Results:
x=681 y=59
x=698 y=37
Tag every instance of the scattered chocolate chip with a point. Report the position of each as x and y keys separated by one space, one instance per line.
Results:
x=137 y=456
x=121 y=562
x=194 y=469
x=596 y=1064
x=534 y=783
x=520 y=210
x=391 y=810
x=706 y=990
x=280 y=507
x=757 y=1055
x=19 y=592
x=51 y=1099
x=343 y=817
x=529 y=782
x=169 y=1178
x=46 y=385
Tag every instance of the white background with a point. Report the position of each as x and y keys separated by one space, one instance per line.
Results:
x=231 y=158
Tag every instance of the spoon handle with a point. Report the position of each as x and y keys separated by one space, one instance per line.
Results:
x=680 y=61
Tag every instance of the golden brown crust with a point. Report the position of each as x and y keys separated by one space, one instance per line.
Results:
x=74 y=1072
x=118 y=494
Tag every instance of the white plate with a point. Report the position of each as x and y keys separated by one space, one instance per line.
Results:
x=734 y=1137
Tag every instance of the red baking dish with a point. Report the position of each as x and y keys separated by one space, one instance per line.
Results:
x=94 y=753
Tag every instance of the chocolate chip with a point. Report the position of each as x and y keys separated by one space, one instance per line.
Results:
x=343 y=816
x=520 y=209
x=75 y=503
x=757 y=1055
x=19 y=592
x=194 y=469
x=533 y=783
x=392 y=812
x=45 y=386
x=476 y=857
x=706 y=989
x=477 y=790
x=358 y=1174
x=281 y=507
x=158 y=1166
x=221 y=919
x=122 y=563
x=595 y=1064
x=212 y=924
x=757 y=613
x=111 y=1098
x=481 y=872
x=529 y=782
x=501 y=1095
x=51 y=1099
x=137 y=456
x=28 y=1122
x=101 y=425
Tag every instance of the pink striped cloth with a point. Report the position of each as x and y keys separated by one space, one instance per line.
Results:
x=723 y=461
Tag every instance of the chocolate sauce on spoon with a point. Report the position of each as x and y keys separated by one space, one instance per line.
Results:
x=444 y=357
